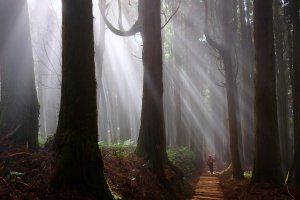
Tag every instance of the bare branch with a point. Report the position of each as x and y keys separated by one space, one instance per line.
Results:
x=172 y=15
x=223 y=85
x=164 y=14
x=20 y=154
x=11 y=134
x=209 y=40
x=136 y=56
x=137 y=26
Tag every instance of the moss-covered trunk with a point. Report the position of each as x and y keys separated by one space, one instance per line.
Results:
x=19 y=112
x=151 y=142
x=78 y=161
x=267 y=162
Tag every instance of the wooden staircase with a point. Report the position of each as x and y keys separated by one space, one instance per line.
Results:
x=208 y=187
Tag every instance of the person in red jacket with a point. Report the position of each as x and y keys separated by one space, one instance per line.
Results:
x=210 y=163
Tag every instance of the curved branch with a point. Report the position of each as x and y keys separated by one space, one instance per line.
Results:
x=209 y=40
x=172 y=15
x=136 y=28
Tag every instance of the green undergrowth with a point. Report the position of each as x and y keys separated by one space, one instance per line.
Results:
x=119 y=149
x=41 y=140
x=183 y=158
x=248 y=174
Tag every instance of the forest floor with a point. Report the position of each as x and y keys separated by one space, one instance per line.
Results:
x=26 y=175
x=235 y=189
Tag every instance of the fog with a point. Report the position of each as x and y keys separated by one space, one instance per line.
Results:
x=195 y=104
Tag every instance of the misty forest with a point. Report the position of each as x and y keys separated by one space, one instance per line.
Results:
x=149 y=99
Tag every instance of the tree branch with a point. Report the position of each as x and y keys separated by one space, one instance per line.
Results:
x=136 y=28
x=209 y=40
x=223 y=85
x=20 y=154
x=172 y=15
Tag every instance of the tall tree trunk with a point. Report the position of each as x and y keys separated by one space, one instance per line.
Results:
x=232 y=100
x=295 y=6
x=246 y=87
x=19 y=105
x=282 y=85
x=180 y=56
x=78 y=161
x=249 y=101
x=249 y=36
x=231 y=38
x=151 y=142
x=267 y=163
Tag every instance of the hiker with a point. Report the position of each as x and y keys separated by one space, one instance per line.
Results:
x=210 y=163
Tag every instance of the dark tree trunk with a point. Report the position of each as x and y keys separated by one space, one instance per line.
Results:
x=151 y=142
x=246 y=88
x=267 y=163
x=180 y=57
x=282 y=85
x=250 y=37
x=19 y=105
x=295 y=6
x=249 y=101
x=231 y=38
x=232 y=100
x=78 y=161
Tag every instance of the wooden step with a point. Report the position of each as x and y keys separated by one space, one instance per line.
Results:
x=207 y=197
x=208 y=187
x=209 y=191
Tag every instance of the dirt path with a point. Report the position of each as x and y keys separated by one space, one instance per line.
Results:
x=208 y=187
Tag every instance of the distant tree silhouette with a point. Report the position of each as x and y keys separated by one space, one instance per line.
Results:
x=19 y=111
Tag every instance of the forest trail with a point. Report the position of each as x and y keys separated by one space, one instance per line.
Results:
x=208 y=187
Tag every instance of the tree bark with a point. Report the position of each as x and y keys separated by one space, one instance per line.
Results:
x=267 y=163
x=246 y=88
x=151 y=142
x=282 y=85
x=232 y=100
x=295 y=6
x=78 y=161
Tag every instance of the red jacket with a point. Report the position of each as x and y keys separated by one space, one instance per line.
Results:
x=210 y=161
